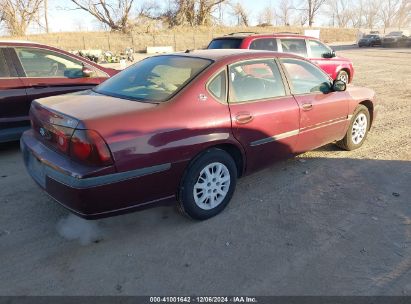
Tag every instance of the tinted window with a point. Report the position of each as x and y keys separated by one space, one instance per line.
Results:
x=305 y=77
x=4 y=70
x=318 y=49
x=264 y=44
x=217 y=86
x=225 y=43
x=254 y=80
x=43 y=63
x=295 y=46
x=395 y=34
x=153 y=79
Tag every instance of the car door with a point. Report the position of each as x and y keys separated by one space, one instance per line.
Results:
x=265 y=117
x=13 y=100
x=47 y=73
x=316 y=52
x=323 y=113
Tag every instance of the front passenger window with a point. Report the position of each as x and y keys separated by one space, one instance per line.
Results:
x=305 y=77
x=38 y=62
x=255 y=80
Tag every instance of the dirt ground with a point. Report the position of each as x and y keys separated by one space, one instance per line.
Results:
x=328 y=222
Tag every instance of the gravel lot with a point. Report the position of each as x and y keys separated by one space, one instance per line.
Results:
x=328 y=222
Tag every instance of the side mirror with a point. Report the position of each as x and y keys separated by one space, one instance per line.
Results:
x=329 y=55
x=339 y=86
x=87 y=72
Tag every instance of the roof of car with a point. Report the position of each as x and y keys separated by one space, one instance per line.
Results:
x=243 y=35
x=18 y=41
x=219 y=54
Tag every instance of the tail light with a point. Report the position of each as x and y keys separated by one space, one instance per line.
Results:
x=88 y=146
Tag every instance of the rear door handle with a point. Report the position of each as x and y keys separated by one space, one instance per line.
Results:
x=307 y=106
x=243 y=118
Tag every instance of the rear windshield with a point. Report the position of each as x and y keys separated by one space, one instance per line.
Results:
x=225 y=43
x=154 y=79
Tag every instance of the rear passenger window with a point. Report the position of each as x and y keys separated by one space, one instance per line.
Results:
x=255 y=80
x=217 y=86
x=267 y=44
x=4 y=70
x=294 y=46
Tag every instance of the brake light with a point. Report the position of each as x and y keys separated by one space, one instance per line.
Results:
x=89 y=147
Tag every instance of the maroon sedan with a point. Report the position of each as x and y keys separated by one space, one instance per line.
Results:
x=30 y=70
x=184 y=127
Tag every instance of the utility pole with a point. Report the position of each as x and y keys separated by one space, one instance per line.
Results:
x=46 y=19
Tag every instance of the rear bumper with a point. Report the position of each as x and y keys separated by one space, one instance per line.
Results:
x=95 y=193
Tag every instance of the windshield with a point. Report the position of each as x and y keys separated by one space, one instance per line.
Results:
x=370 y=36
x=224 y=43
x=154 y=79
x=395 y=34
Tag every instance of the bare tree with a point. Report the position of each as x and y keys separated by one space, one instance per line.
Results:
x=387 y=12
x=341 y=12
x=17 y=15
x=205 y=10
x=114 y=13
x=284 y=11
x=370 y=13
x=312 y=7
x=403 y=16
x=241 y=14
x=192 y=12
x=267 y=16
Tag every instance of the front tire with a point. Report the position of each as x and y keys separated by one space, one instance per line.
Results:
x=343 y=76
x=357 y=131
x=208 y=185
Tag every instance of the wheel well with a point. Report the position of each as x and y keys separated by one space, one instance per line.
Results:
x=236 y=154
x=370 y=108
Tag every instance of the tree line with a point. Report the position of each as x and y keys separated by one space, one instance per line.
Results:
x=16 y=16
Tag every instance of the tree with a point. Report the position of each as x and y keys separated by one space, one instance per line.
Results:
x=267 y=16
x=241 y=14
x=370 y=14
x=17 y=15
x=341 y=11
x=284 y=11
x=192 y=12
x=113 y=13
x=403 y=16
x=388 y=11
x=312 y=8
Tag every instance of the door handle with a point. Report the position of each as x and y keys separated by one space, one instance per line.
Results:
x=40 y=85
x=243 y=118
x=307 y=106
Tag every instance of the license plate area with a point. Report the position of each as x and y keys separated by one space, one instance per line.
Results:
x=35 y=168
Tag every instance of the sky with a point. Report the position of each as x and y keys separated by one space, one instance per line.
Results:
x=63 y=20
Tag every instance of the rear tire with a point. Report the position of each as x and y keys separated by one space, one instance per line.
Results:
x=357 y=131
x=208 y=185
